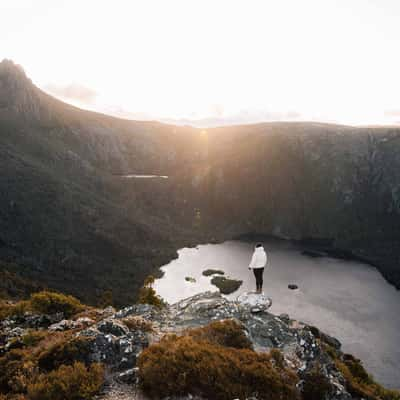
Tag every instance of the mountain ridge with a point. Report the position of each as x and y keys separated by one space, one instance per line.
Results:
x=68 y=216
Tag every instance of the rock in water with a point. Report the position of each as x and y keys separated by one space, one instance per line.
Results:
x=255 y=302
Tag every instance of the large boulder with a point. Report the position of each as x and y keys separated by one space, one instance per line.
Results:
x=254 y=302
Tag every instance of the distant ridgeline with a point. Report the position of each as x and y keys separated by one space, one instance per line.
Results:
x=67 y=220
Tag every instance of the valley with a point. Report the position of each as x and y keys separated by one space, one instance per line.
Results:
x=67 y=222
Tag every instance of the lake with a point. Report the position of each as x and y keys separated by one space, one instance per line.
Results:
x=346 y=299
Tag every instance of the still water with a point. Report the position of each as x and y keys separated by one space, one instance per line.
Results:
x=348 y=300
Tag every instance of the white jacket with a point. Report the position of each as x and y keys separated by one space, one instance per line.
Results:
x=259 y=258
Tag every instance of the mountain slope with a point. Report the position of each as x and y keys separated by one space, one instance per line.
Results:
x=64 y=215
x=70 y=221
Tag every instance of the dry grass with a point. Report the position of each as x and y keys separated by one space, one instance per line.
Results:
x=199 y=363
x=135 y=323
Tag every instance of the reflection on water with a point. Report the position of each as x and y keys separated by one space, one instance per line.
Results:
x=346 y=299
x=144 y=176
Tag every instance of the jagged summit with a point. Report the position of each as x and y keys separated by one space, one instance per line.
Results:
x=17 y=92
x=11 y=69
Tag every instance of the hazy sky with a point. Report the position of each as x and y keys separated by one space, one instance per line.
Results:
x=236 y=60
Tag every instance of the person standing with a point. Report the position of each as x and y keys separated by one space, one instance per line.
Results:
x=257 y=264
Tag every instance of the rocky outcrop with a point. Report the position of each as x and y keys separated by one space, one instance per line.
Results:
x=301 y=345
x=117 y=338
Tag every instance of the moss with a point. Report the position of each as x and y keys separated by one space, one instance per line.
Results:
x=74 y=382
x=199 y=363
x=209 y=272
x=51 y=302
x=226 y=285
x=65 y=353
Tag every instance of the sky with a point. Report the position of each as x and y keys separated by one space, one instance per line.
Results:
x=213 y=62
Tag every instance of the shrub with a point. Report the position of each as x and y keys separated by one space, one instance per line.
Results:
x=65 y=353
x=183 y=365
x=316 y=385
x=32 y=338
x=277 y=358
x=147 y=295
x=135 y=323
x=69 y=382
x=11 y=370
x=360 y=384
x=50 y=303
x=8 y=309
x=228 y=333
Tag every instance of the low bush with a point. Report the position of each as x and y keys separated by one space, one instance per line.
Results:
x=65 y=353
x=228 y=333
x=277 y=358
x=316 y=385
x=8 y=309
x=50 y=303
x=32 y=338
x=192 y=364
x=68 y=382
x=12 y=370
x=147 y=295
x=360 y=384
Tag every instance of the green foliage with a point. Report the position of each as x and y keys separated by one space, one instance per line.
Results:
x=69 y=382
x=316 y=385
x=210 y=271
x=147 y=295
x=195 y=363
x=51 y=302
x=226 y=285
x=227 y=333
x=64 y=353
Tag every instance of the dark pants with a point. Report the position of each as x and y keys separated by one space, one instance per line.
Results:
x=258 y=273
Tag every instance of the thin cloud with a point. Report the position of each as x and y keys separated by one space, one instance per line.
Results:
x=392 y=113
x=73 y=91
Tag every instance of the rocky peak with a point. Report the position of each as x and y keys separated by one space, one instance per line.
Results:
x=13 y=73
x=18 y=95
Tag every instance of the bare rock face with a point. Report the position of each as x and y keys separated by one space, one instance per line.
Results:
x=255 y=302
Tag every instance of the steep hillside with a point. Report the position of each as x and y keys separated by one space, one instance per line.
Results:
x=69 y=220
x=65 y=216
